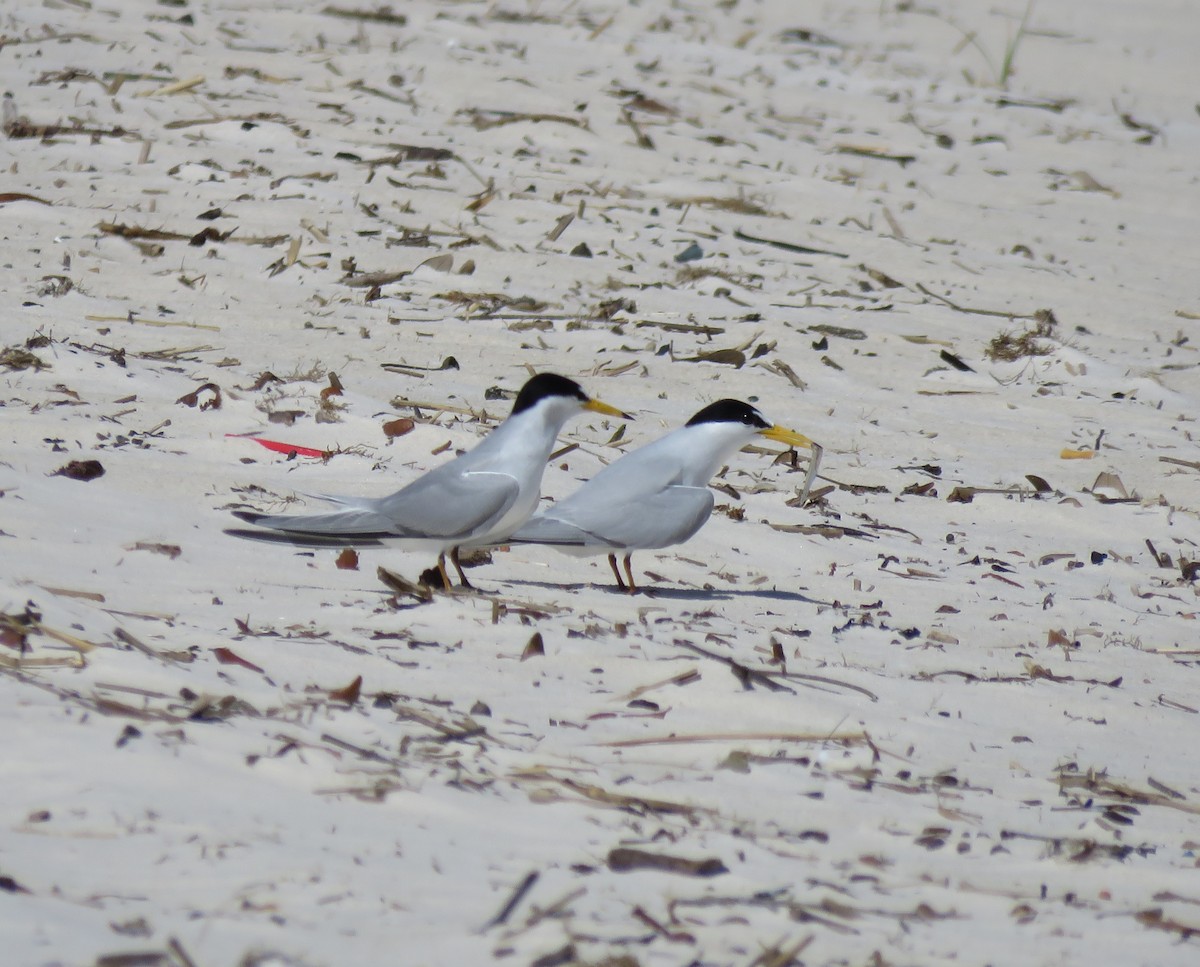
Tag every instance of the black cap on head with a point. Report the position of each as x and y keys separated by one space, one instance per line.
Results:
x=547 y=384
x=730 y=411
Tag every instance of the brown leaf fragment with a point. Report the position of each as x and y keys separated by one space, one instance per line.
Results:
x=335 y=387
x=1051 y=558
x=640 y=102
x=403 y=586
x=841 y=332
x=20 y=128
x=285 y=417
x=961 y=495
x=438 y=263
x=16 y=358
x=1164 y=789
x=806 y=35
x=347 y=693
x=675 y=936
x=1036 y=671
x=9 y=885
x=676 y=326
x=264 y=379
x=642 y=138
x=80 y=470
x=727 y=357
x=1121 y=814
x=395 y=428
x=1190 y=464
x=948 y=357
x=1087 y=183
x=470 y=557
x=209 y=234
x=1057 y=638
x=347 y=560
x=157 y=234
x=786 y=371
x=409 y=153
x=167 y=550
x=14 y=629
x=1155 y=920
x=7 y=196
x=787 y=246
x=882 y=278
x=535 y=648
x=870 y=151
x=514 y=900
x=1163 y=560
x=933 y=837
x=625 y=859
x=560 y=226
x=1107 y=481
x=380 y=15
x=1039 y=484
x=210 y=709
x=227 y=656
x=211 y=402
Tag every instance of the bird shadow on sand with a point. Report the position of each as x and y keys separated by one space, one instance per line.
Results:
x=658 y=592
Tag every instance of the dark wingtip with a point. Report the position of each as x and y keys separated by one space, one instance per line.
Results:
x=248 y=516
x=300 y=540
x=270 y=537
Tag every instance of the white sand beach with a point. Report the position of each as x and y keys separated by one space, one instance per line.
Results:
x=945 y=712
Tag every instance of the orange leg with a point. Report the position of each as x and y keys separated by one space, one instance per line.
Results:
x=612 y=562
x=458 y=567
x=441 y=566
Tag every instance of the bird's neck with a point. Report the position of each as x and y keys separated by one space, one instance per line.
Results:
x=527 y=439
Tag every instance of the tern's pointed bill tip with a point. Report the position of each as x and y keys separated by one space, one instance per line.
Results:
x=598 y=406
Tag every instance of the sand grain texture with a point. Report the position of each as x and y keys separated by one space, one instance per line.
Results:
x=943 y=714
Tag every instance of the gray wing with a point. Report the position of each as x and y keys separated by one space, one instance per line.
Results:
x=450 y=505
x=437 y=507
x=668 y=517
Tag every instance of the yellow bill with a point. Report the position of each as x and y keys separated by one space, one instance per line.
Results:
x=597 y=406
x=781 y=434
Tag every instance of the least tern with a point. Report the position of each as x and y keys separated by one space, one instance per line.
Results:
x=476 y=499
x=656 y=496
